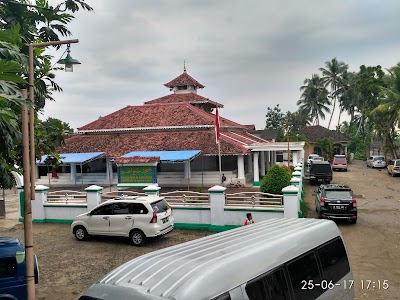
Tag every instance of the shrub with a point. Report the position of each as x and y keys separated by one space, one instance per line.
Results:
x=199 y=188
x=275 y=180
x=287 y=169
x=291 y=169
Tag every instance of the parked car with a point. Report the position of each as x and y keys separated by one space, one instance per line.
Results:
x=13 y=269
x=310 y=157
x=339 y=162
x=135 y=217
x=336 y=201
x=320 y=171
x=393 y=167
x=376 y=162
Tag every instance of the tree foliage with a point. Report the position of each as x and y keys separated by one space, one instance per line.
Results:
x=275 y=180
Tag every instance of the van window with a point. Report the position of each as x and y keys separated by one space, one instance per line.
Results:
x=334 y=262
x=8 y=267
x=272 y=286
x=301 y=271
x=224 y=296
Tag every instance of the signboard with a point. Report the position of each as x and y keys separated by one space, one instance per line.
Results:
x=137 y=174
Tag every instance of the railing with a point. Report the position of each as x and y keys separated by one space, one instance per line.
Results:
x=67 y=197
x=254 y=199
x=120 y=195
x=187 y=198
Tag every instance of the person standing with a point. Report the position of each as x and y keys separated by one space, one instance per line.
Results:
x=249 y=219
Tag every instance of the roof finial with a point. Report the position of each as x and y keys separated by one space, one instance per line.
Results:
x=184 y=65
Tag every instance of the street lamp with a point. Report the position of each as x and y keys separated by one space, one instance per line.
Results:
x=68 y=61
x=28 y=144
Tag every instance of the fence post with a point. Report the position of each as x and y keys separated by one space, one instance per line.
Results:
x=290 y=201
x=152 y=190
x=93 y=196
x=38 y=212
x=217 y=204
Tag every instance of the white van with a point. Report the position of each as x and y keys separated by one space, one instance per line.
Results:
x=273 y=259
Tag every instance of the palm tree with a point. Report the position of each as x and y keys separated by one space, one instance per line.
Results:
x=314 y=99
x=332 y=76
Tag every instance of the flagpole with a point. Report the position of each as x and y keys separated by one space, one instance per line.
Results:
x=219 y=158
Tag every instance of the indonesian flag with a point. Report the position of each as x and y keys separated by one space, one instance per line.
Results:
x=217 y=125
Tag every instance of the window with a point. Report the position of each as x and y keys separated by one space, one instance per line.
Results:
x=121 y=209
x=138 y=208
x=341 y=194
x=103 y=210
x=301 y=271
x=159 y=206
x=8 y=267
x=333 y=257
x=272 y=286
x=340 y=159
x=224 y=296
x=397 y=163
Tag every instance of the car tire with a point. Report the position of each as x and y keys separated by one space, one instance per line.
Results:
x=137 y=237
x=353 y=221
x=80 y=233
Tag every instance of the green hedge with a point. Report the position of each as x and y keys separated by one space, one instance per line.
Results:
x=275 y=180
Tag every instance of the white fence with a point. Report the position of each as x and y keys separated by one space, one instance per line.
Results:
x=214 y=210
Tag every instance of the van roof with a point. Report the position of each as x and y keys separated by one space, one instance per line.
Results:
x=212 y=265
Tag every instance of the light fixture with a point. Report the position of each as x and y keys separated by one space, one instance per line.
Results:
x=68 y=61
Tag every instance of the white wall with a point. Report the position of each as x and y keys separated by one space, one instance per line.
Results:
x=61 y=212
x=237 y=216
x=195 y=216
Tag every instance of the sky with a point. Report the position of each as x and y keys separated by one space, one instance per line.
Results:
x=250 y=55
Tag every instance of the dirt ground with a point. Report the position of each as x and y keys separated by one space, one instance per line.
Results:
x=374 y=242
x=68 y=267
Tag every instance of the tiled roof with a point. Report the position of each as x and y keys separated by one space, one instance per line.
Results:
x=314 y=133
x=250 y=127
x=157 y=115
x=116 y=145
x=192 y=98
x=184 y=79
x=137 y=160
x=243 y=137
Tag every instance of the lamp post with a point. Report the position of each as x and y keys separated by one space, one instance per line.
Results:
x=28 y=143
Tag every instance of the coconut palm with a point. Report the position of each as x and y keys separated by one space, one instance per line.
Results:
x=332 y=76
x=314 y=99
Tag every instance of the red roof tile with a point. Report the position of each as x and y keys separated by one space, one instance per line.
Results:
x=243 y=137
x=137 y=160
x=157 y=115
x=192 y=98
x=184 y=79
x=116 y=145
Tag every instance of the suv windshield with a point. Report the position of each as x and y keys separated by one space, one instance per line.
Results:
x=159 y=206
x=340 y=158
x=338 y=194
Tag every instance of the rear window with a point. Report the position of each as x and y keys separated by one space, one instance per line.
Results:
x=160 y=206
x=397 y=163
x=325 y=168
x=379 y=158
x=340 y=158
x=338 y=194
x=334 y=262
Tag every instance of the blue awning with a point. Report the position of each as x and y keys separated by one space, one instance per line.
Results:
x=74 y=158
x=167 y=156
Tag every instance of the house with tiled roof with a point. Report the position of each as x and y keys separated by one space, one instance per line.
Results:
x=181 y=121
x=317 y=132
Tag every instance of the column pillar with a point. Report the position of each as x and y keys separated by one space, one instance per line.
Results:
x=152 y=190
x=256 y=181
x=93 y=196
x=109 y=173
x=268 y=160
x=290 y=201
x=187 y=172
x=262 y=158
x=217 y=204
x=240 y=167
x=249 y=164
x=38 y=212
x=295 y=156
x=73 y=172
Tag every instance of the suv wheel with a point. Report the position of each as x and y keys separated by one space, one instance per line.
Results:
x=80 y=233
x=137 y=237
x=354 y=221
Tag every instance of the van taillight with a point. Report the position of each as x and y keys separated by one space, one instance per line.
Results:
x=354 y=202
x=170 y=207
x=322 y=201
x=154 y=218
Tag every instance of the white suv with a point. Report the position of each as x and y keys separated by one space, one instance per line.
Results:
x=133 y=217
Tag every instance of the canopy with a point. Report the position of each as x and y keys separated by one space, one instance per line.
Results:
x=167 y=156
x=74 y=158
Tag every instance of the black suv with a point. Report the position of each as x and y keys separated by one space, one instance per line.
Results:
x=320 y=171
x=336 y=201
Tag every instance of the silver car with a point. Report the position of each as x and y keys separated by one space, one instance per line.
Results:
x=376 y=162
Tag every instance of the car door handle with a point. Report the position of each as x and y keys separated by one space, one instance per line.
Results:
x=128 y=218
x=105 y=218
